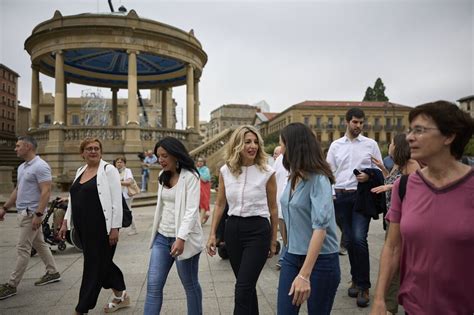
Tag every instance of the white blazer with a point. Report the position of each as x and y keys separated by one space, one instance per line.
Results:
x=187 y=222
x=110 y=195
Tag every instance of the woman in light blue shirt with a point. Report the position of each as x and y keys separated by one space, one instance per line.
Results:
x=310 y=269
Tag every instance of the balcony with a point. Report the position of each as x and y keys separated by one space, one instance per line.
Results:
x=400 y=128
x=389 y=127
x=377 y=128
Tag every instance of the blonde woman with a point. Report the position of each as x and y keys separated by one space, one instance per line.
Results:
x=248 y=185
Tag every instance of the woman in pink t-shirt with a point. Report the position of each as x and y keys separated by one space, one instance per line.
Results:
x=431 y=235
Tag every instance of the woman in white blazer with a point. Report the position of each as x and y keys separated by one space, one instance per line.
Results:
x=95 y=212
x=177 y=234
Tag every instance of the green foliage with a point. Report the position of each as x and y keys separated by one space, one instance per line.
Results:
x=469 y=149
x=369 y=95
x=271 y=141
x=377 y=93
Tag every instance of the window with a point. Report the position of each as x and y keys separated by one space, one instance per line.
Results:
x=342 y=120
x=330 y=124
x=331 y=137
x=388 y=122
x=399 y=121
x=47 y=119
x=377 y=121
x=377 y=137
x=318 y=122
x=388 y=135
x=306 y=120
x=75 y=120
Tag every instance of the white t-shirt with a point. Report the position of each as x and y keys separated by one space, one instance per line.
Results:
x=167 y=225
x=246 y=194
x=124 y=175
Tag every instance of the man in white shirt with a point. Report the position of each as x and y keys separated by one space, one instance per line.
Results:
x=349 y=153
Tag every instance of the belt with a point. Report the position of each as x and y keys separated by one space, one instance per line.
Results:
x=345 y=191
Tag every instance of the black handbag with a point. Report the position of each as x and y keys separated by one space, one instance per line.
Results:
x=127 y=214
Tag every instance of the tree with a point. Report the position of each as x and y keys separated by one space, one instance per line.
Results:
x=369 y=95
x=377 y=93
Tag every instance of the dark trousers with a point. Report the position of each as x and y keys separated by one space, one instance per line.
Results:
x=355 y=229
x=248 y=243
x=324 y=279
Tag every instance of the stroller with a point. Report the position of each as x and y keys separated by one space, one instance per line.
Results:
x=57 y=209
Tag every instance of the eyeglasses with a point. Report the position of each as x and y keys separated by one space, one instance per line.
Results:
x=419 y=130
x=92 y=149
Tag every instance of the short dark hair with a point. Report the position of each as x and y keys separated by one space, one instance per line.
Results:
x=121 y=158
x=450 y=120
x=354 y=112
x=30 y=140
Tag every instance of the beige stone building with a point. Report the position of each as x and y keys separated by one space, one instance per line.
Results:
x=230 y=115
x=467 y=104
x=327 y=119
x=8 y=102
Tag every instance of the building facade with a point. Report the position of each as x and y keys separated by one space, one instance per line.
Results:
x=467 y=104
x=8 y=102
x=327 y=118
x=230 y=115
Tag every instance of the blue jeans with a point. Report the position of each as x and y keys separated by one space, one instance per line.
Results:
x=324 y=279
x=160 y=265
x=283 y=251
x=145 y=176
x=355 y=228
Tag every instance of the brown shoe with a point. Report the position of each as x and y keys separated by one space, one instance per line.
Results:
x=363 y=298
x=353 y=290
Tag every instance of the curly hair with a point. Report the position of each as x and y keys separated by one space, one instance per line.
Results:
x=235 y=146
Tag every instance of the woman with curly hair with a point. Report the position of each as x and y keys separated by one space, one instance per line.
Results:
x=248 y=185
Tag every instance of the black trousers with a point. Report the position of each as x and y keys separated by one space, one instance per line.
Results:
x=248 y=243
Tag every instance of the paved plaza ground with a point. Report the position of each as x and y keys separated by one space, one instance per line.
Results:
x=216 y=277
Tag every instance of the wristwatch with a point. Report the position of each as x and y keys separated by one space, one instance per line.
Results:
x=39 y=214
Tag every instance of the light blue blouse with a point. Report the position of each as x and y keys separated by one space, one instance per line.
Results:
x=310 y=208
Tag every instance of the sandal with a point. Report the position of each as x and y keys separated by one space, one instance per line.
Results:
x=117 y=303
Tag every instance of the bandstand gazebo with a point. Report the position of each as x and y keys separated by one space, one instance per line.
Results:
x=117 y=51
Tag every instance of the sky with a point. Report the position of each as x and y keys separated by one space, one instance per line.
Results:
x=286 y=52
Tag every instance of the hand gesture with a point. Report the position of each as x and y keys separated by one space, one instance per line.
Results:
x=377 y=162
x=381 y=189
x=177 y=248
x=211 y=246
x=113 y=236
x=300 y=289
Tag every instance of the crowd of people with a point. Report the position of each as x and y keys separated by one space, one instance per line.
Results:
x=423 y=193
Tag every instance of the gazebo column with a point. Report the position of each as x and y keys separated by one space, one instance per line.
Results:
x=65 y=104
x=34 y=98
x=59 y=93
x=54 y=149
x=190 y=97
x=196 y=105
x=164 y=108
x=132 y=128
x=114 y=107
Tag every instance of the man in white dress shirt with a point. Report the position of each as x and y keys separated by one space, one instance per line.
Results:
x=353 y=152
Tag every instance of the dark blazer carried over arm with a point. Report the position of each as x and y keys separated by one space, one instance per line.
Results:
x=367 y=202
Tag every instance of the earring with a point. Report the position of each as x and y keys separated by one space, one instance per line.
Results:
x=177 y=164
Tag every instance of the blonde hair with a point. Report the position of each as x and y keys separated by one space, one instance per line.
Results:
x=235 y=146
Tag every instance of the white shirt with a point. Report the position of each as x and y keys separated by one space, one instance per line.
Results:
x=345 y=155
x=247 y=193
x=124 y=175
x=281 y=176
x=167 y=226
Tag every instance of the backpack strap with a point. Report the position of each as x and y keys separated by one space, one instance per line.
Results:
x=402 y=188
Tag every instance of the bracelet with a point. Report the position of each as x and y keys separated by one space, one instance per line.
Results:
x=303 y=278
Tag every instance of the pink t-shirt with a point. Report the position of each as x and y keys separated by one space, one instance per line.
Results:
x=437 y=258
